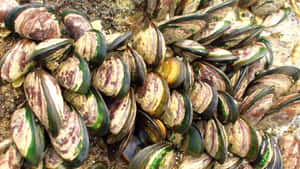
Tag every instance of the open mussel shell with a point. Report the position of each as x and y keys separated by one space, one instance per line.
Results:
x=179 y=114
x=189 y=49
x=6 y=6
x=53 y=160
x=282 y=78
x=149 y=130
x=45 y=99
x=190 y=142
x=204 y=99
x=242 y=139
x=150 y=44
x=228 y=110
x=255 y=105
x=248 y=55
x=157 y=156
x=10 y=158
x=216 y=140
x=182 y=27
x=122 y=117
x=230 y=163
x=210 y=74
x=16 y=62
x=34 y=22
x=91 y=46
x=194 y=162
x=219 y=55
x=74 y=74
x=158 y=9
x=117 y=40
x=136 y=66
x=92 y=108
x=212 y=32
x=52 y=51
x=153 y=96
x=76 y=23
x=282 y=112
x=72 y=141
x=112 y=77
x=28 y=136
x=173 y=71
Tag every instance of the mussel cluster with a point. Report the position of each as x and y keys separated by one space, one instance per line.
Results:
x=195 y=88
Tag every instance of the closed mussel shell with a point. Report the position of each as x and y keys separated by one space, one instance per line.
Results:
x=188 y=6
x=153 y=96
x=117 y=39
x=45 y=99
x=158 y=9
x=33 y=22
x=76 y=23
x=155 y=156
x=212 y=75
x=112 y=77
x=6 y=6
x=16 y=62
x=136 y=66
x=219 y=9
x=173 y=71
x=228 y=110
x=239 y=81
x=216 y=140
x=182 y=27
x=150 y=44
x=266 y=153
x=10 y=158
x=72 y=141
x=192 y=162
x=52 y=51
x=28 y=136
x=189 y=49
x=219 y=55
x=179 y=114
x=53 y=160
x=213 y=31
x=190 y=142
x=242 y=139
x=265 y=7
x=255 y=105
x=282 y=112
x=122 y=117
x=189 y=77
x=91 y=46
x=74 y=74
x=92 y=109
x=204 y=99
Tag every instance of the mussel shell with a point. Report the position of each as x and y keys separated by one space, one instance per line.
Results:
x=92 y=108
x=179 y=114
x=219 y=55
x=158 y=9
x=276 y=18
x=134 y=146
x=266 y=153
x=112 y=78
x=16 y=62
x=189 y=77
x=230 y=163
x=10 y=158
x=182 y=27
x=219 y=9
x=156 y=156
x=74 y=74
x=246 y=3
x=28 y=136
x=239 y=81
x=265 y=7
x=204 y=100
x=91 y=46
x=150 y=44
x=6 y=6
x=212 y=75
x=33 y=22
x=255 y=105
x=173 y=71
x=52 y=51
x=53 y=160
x=72 y=141
x=76 y=23
x=188 y=6
x=228 y=110
x=45 y=99
x=117 y=40
x=192 y=162
x=189 y=49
